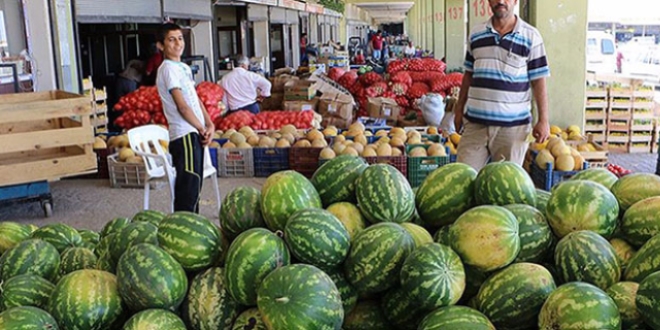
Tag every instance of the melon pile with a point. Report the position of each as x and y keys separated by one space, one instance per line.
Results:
x=356 y=247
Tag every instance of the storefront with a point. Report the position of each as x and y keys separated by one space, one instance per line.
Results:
x=259 y=27
x=13 y=42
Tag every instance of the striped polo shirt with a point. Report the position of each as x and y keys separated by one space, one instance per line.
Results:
x=502 y=70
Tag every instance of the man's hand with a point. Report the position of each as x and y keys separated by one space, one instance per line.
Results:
x=207 y=134
x=541 y=131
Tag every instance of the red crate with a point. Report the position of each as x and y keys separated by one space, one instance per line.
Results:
x=399 y=162
x=304 y=160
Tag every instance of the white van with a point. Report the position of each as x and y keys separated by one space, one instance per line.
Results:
x=601 y=52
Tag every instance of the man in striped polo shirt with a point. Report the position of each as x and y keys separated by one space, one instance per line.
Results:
x=505 y=63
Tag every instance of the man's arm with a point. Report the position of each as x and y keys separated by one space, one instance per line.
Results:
x=542 y=128
x=459 y=107
x=207 y=137
x=263 y=84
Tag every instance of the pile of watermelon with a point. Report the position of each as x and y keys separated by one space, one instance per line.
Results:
x=352 y=249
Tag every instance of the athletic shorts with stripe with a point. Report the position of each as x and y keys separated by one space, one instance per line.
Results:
x=188 y=160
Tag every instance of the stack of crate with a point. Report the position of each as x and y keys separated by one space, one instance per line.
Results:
x=99 y=97
x=642 y=128
x=596 y=108
x=619 y=118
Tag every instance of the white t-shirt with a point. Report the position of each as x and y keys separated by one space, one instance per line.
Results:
x=409 y=50
x=172 y=75
x=241 y=86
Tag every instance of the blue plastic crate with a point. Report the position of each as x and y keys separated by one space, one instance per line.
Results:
x=270 y=160
x=548 y=178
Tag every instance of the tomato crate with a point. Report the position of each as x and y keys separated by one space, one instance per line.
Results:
x=236 y=163
x=304 y=160
x=270 y=160
x=420 y=167
x=548 y=178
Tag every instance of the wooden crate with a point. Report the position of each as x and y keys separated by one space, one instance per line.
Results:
x=45 y=136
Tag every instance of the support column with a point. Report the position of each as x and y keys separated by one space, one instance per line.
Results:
x=40 y=44
x=456 y=33
x=429 y=21
x=439 y=31
x=203 y=41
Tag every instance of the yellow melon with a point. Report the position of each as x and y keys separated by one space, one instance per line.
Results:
x=228 y=145
x=237 y=138
x=411 y=134
x=253 y=140
x=99 y=143
x=452 y=148
x=244 y=145
x=382 y=132
x=125 y=153
x=314 y=134
x=215 y=144
x=384 y=150
x=573 y=129
x=289 y=129
x=552 y=142
x=302 y=144
x=383 y=140
x=246 y=130
x=135 y=160
x=579 y=162
x=437 y=150
x=356 y=126
x=327 y=153
x=361 y=139
x=350 y=151
x=414 y=140
x=396 y=152
x=543 y=158
x=282 y=143
x=397 y=142
x=340 y=138
x=338 y=148
x=369 y=152
x=217 y=135
x=368 y=133
x=329 y=132
x=319 y=143
x=418 y=152
x=455 y=138
x=432 y=130
x=228 y=133
x=560 y=149
x=397 y=130
x=565 y=162
x=554 y=129
x=359 y=147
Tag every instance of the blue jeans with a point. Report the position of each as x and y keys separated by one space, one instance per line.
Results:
x=254 y=108
x=376 y=54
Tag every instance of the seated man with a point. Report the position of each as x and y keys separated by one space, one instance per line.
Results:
x=241 y=87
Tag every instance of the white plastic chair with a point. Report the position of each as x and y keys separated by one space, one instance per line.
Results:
x=144 y=140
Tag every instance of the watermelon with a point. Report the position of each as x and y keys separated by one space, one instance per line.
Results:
x=635 y=187
x=367 y=315
x=191 y=239
x=349 y=295
x=148 y=277
x=350 y=216
x=597 y=175
x=504 y=183
x=105 y=262
x=590 y=309
x=114 y=225
x=473 y=281
x=104 y=245
x=151 y=216
x=401 y=310
x=89 y=236
x=588 y=257
x=535 y=233
x=60 y=235
x=254 y=254
x=240 y=211
x=582 y=205
x=624 y=252
x=283 y=194
x=376 y=257
x=645 y=262
x=317 y=237
x=335 y=179
x=419 y=235
x=249 y=319
x=300 y=297
x=441 y=236
x=529 y=283
x=132 y=234
x=456 y=318
x=25 y=290
x=648 y=300
x=433 y=276
x=384 y=195
x=542 y=198
x=624 y=294
x=445 y=194
x=76 y=258
x=87 y=299
x=486 y=228
x=640 y=222
x=27 y=317
x=32 y=228
x=154 y=319
x=208 y=305
x=32 y=256
x=11 y=233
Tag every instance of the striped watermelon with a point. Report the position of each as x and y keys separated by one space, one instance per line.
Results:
x=240 y=211
x=154 y=319
x=542 y=198
x=441 y=236
x=12 y=233
x=624 y=252
x=60 y=235
x=349 y=295
x=335 y=180
x=535 y=233
x=104 y=245
x=367 y=315
x=25 y=290
x=300 y=297
x=151 y=216
x=529 y=283
x=456 y=318
x=401 y=310
x=132 y=234
x=648 y=300
x=645 y=262
x=317 y=237
x=249 y=319
x=504 y=183
x=114 y=225
x=419 y=235
x=76 y=258
x=283 y=194
x=598 y=175
x=253 y=255
x=588 y=257
x=640 y=222
x=89 y=236
x=590 y=309
x=105 y=262
x=32 y=256
x=350 y=216
x=376 y=257
x=635 y=187
x=445 y=194
x=148 y=277
x=32 y=228
x=486 y=228
x=191 y=239
x=582 y=205
x=433 y=276
x=624 y=295
x=87 y=299
x=27 y=317
x=384 y=195
x=208 y=305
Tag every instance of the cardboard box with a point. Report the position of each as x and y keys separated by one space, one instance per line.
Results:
x=336 y=105
x=299 y=90
x=279 y=82
x=337 y=122
x=301 y=105
x=380 y=107
x=274 y=102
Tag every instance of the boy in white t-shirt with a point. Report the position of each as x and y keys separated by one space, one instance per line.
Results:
x=190 y=126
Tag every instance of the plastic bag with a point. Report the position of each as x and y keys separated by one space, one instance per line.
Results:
x=447 y=126
x=433 y=108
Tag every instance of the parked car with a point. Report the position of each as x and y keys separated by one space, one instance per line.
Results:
x=601 y=52
x=644 y=63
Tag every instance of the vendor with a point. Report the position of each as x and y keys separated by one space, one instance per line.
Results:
x=410 y=50
x=241 y=87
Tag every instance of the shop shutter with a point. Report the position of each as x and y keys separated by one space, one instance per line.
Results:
x=277 y=15
x=292 y=17
x=257 y=13
x=189 y=9
x=118 y=11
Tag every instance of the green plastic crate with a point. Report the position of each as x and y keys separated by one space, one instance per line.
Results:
x=420 y=167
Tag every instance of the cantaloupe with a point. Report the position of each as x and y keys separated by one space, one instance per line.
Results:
x=396 y=152
x=99 y=143
x=340 y=138
x=338 y=147
x=125 y=153
x=314 y=134
x=579 y=162
x=369 y=152
x=565 y=163
x=418 y=152
x=282 y=143
x=381 y=133
x=289 y=129
x=350 y=151
x=358 y=147
x=384 y=150
x=303 y=143
x=319 y=143
x=327 y=153
x=543 y=158
x=237 y=138
x=432 y=130
x=397 y=142
x=266 y=142
x=253 y=140
x=437 y=150
x=228 y=145
x=244 y=145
